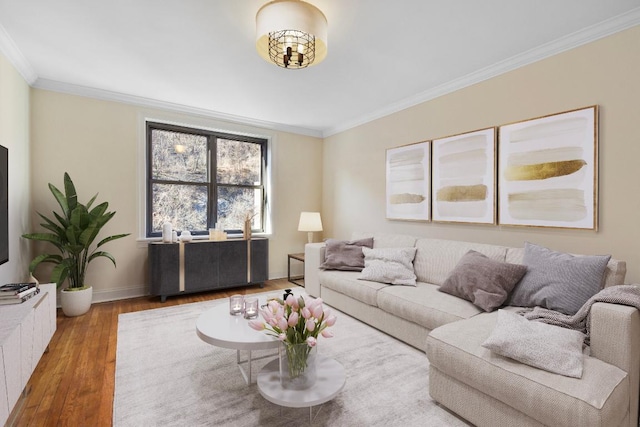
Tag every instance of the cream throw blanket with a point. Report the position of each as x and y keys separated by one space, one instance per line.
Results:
x=622 y=294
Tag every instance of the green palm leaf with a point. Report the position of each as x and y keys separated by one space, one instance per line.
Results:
x=73 y=235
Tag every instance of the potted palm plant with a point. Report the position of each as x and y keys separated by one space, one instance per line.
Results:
x=73 y=232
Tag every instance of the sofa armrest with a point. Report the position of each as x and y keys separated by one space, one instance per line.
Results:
x=313 y=257
x=615 y=339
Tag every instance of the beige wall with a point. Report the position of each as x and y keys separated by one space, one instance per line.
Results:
x=14 y=134
x=604 y=72
x=99 y=144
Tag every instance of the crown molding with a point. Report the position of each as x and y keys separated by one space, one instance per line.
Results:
x=105 y=95
x=587 y=35
x=17 y=59
x=579 y=38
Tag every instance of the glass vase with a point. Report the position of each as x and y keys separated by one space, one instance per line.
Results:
x=297 y=366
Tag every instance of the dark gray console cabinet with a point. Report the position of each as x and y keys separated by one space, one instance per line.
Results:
x=177 y=268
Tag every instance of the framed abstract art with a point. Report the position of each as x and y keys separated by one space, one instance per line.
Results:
x=548 y=171
x=408 y=182
x=464 y=178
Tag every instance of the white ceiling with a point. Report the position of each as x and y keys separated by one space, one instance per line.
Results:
x=199 y=55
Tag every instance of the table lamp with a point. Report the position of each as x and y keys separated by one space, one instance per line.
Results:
x=310 y=222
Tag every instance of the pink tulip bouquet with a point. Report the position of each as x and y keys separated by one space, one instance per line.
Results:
x=294 y=321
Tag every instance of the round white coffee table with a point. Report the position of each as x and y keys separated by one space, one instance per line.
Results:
x=217 y=327
x=331 y=380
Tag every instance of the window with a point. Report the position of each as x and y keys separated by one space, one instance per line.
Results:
x=198 y=178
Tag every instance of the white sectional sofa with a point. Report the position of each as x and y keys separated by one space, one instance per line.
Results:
x=482 y=387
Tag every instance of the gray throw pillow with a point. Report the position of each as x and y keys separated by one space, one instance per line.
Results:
x=389 y=265
x=558 y=281
x=537 y=344
x=483 y=281
x=345 y=255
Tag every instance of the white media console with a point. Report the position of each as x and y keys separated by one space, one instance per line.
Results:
x=25 y=332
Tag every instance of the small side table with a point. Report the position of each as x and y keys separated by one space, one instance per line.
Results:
x=297 y=257
x=330 y=382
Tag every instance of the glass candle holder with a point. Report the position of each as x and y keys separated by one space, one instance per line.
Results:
x=236 y=305
x=251 y=308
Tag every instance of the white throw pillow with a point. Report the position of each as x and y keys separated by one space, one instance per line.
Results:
x=389 y=265
x=537 y=344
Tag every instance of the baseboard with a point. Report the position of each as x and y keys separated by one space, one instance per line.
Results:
x=136 y=292
x=121 y=293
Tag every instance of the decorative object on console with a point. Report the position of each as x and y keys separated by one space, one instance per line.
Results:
x=483 y=281
x=345 y=254
x=291 y=34
x=73 y=233
x=296 y=322
x=247 y=226
x=408 y=194
x=389 y=265
x=217 y=233
x=167 y=232
x=543 y=346
x=185 y=236
x=310 y=222
x=548 y=171
x=464 y=177
x=558 y=281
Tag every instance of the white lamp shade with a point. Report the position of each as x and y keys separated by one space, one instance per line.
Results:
x=310 y=221
x=298 y=15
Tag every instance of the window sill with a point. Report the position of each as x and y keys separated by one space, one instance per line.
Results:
x=143 y=242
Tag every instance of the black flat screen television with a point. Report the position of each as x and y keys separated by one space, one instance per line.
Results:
x=4 y=204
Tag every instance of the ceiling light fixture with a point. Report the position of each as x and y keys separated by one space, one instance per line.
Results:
x=291 y=33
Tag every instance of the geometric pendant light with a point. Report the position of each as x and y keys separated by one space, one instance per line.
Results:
x=291 y=34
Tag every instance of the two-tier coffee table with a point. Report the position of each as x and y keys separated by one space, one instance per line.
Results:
x=331 y=380
x=219 y=328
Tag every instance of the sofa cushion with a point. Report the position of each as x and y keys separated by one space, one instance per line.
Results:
x=347 y=283
x=424 y=305
x=387 y=240
x=601 y=393
x=345 y=254
x=436 y=258
x=538 y=344
x=483 y=281
x=558 y=281
x=389 y=265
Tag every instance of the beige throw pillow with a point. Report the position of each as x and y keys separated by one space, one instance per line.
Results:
x=389 y=265
x=537 y=344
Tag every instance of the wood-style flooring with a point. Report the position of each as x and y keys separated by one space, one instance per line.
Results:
x=74 y=381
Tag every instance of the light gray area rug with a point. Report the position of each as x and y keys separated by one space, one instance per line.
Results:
x=167 y=376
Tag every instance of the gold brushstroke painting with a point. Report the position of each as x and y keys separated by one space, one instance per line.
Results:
x=548 y=173
x=464 y=177
x=408 y=182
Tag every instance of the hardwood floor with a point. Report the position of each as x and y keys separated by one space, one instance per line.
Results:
x=74 y=381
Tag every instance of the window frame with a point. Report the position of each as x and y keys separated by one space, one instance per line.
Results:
x=212 y=184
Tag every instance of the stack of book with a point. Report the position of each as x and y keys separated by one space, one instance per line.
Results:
x=16 y=293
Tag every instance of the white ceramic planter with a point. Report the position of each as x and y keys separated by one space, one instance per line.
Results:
x=76 y=303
